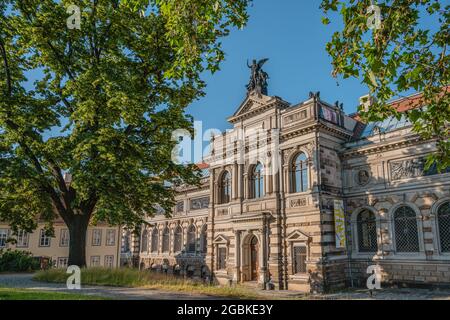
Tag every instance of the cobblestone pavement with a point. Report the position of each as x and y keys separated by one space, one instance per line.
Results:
x=389 y=294
x=25 y=281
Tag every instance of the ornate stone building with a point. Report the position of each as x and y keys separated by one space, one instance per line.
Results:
x=267 y=208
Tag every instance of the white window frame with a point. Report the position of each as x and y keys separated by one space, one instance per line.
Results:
x=66 y=239
x=96 y=241
x=110 y=237
x=109 y=264
x=44 y=241
x=4 y=237
x=66 y=259
x=92 y=260
x=23 y=239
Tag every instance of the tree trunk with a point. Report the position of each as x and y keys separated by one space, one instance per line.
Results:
x=77 y=225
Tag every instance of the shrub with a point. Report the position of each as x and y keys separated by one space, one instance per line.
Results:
x=17 y=261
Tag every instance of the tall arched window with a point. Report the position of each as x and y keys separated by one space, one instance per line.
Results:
x=165 y=240
x=405 y=227
x=144 y=241
x=126 y=241
x=443 y=218
x=177 y=243
x=190 y=243
x=367 y=231
x=204 y=239
x=299 y=173
x=225 y=187
x=257 y=181
x=155 y=240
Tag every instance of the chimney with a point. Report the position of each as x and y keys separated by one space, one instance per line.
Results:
x=366 y=101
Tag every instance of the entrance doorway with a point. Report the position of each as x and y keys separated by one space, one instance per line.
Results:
x=254 y=259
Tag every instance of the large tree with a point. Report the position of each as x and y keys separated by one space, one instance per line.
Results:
x=108 y=95
x=405 y=50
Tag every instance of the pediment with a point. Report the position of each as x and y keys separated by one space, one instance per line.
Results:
x=298 y=235
x=252 y=102
x=220 y=239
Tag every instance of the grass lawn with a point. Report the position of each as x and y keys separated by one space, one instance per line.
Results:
x=25 y=294
x=149 y=280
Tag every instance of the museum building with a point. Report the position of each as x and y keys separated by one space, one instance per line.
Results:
x=308 y=202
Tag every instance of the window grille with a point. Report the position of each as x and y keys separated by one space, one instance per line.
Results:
x=367 y=231
x=177 y=240
x=444 y=226
x=155 y=240
x=166 y=238
x=191 y=239
x=221 y=258
x=406 y=233
x=144 y=244
x=300 y=259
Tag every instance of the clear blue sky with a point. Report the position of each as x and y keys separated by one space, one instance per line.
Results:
x=291 y=34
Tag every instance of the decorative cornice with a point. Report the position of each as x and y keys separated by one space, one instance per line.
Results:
x=376 y=147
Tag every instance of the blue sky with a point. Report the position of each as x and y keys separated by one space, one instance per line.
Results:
x=291 y=34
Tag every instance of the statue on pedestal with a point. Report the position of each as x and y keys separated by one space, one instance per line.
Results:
x=258 y=78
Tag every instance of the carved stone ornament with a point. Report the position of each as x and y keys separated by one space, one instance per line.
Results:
x=363 y=177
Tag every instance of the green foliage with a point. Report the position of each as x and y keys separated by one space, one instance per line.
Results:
x=403 y=55
x=25 y=294
x=17 y=261
x=104 y=110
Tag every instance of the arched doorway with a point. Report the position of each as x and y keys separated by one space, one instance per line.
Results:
x=254 y=259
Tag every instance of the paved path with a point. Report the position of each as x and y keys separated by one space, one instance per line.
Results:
x=25 y=281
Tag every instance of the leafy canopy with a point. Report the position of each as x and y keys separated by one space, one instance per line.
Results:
x=104 y=105
x=408 y=52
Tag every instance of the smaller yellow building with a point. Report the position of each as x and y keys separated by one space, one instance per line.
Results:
x=103 y=244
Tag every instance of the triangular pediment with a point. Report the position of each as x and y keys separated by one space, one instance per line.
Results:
x=298 y=235
x=220 y=239
x=252 y=102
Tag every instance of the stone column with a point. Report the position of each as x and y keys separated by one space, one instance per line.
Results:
x=237 y=259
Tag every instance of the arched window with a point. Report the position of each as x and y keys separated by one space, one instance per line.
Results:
x=204 y=239
x=126 y=240
x=177 y=243
x=144 y=241
x=405 y=227
x=257 y=182
x=367 y=231
x=299 y=173
x=225 y=187
x=155 y=240
x=443 y=217
x=165 y=240
x=190 y=243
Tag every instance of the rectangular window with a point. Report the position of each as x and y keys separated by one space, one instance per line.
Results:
x=96 y=237
x=299 y=259
x=22 y=239
x=63 y=262
x=64 y=238
x=3 y=237
x=109 y=261
x=111 y=237
x=95 y=261
x=221 y=258
x=44 y=240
